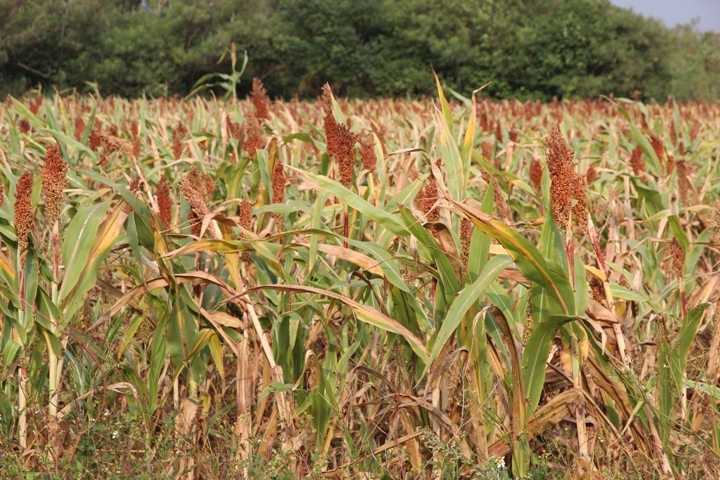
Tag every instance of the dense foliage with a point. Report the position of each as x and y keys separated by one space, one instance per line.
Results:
x=364 y=48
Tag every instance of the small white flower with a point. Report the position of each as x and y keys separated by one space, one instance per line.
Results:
x=500 y=461
x=115 y=434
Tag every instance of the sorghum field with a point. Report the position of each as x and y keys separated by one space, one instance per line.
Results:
x=426 y=289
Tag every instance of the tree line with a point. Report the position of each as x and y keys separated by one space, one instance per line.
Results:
x=364 y=48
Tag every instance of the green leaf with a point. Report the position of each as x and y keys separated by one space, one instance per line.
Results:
x=535 y=356
x=383 y=218
x=529 y=260
x=467 y=297
x=642 y=141
x=679 y=233
x=681 y=348
x=79 y=238
x=454 y=169
x=365 y=313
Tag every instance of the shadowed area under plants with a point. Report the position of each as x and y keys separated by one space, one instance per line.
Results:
x=423 y=289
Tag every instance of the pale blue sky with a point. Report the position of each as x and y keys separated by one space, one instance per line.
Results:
x=672 y=12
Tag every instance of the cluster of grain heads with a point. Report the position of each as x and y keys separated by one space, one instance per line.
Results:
x=494 y=350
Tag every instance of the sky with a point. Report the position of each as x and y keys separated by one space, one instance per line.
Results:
x=672 y=12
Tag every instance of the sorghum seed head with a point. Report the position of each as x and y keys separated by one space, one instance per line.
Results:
x=466 y=230
x=598 y=290
x=536 y=171
x=194 y=192
x=278 y=183
x=591 y=174
x=259 y=99
x=500 y=202
x=235 y=130
x=164 y=203
x=658 y=146
x=197 y=181
x=426 y=198
x=487 y=150
x=684 y=185
x=245 y=217
x=367 y=152
x=54 y=181
x=580 y=209
x=636 y=161
x=96 y=139
x=678 y=257
x=79 y=128
x=23 y=213
x=255 y=139
x=562 y=177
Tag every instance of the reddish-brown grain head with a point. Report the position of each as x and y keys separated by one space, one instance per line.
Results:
x=164 y=203
x=255 y=139
x=487 y=150
x=657 y=145
x=536 y=172
x=340 y=141
x=278 y=183
x=96 y=139
x=79 y=128
x=466 y=231
x=591 y=174
x=678 y=257
x=192 y=186
x=23 y=213
x=684 y=185
x=245 y=216
x=563 y=183
x=367 y=152
x=54 y=181
x=580 y=209
x=260 y=99
x=426 y=198
x=636 y=162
